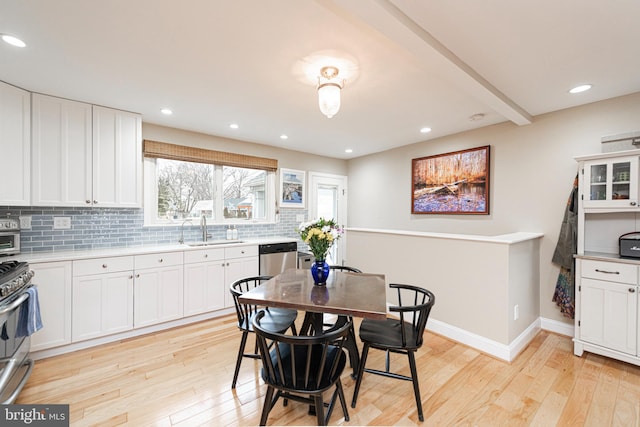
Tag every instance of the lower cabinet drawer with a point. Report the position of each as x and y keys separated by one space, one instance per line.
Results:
x=165 y=259
x=610 y=271
x=240 y=251
x=86 y=267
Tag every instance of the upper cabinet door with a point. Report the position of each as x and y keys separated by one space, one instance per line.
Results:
x=15 y=145
x=61 y=158
x=611 y=183
x=117 y=158
x=85 y=155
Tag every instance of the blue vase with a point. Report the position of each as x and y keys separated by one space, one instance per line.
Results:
x=320 y=272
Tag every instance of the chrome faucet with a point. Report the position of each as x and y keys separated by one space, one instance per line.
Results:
x=203 y=225
x=181 y=241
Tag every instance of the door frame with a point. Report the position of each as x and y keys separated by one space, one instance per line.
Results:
x=317 y=179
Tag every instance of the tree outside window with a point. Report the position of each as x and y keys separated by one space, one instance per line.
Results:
x=190 y=190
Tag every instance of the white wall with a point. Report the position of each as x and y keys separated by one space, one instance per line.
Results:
x=532 y=172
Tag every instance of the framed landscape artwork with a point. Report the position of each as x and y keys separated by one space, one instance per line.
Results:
x=451 y=183
x=292 y=188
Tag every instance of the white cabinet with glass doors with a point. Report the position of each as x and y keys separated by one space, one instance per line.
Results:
x=611 y=182
x=607 y=320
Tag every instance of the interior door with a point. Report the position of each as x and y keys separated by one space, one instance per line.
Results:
x=328 y=199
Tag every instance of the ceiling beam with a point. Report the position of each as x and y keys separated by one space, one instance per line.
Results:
x=393 y=23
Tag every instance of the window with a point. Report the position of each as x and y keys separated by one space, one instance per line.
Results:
x=177 y=189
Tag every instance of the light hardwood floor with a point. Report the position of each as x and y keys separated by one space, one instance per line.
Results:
x=182 y=377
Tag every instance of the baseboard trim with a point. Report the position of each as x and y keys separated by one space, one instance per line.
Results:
x=558 y=327
x=496 y=349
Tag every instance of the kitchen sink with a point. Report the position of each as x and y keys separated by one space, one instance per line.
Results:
x=214 y=242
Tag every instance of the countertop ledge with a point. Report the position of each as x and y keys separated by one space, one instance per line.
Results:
x=135 y=250
x=509 y=239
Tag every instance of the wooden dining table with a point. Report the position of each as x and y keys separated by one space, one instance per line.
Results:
x=345 y=294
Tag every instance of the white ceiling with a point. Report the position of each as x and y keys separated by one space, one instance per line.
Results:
x=415 y=63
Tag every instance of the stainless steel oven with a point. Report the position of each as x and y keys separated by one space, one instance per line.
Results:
x=15 y=364
x=9 y=236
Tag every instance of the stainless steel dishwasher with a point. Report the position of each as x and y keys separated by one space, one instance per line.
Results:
x=277 y=257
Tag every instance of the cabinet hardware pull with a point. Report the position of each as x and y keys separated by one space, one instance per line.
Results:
x=607 y=272
x=206 y=255
x=160 y=260
x=104 y=265
x=137 y=276
x=632 y=203
x=88 y=201
x=632 y=290
x=131 y=277
x=95 y=202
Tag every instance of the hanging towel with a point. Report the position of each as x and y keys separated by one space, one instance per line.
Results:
x=564 y=295
x=29 y=318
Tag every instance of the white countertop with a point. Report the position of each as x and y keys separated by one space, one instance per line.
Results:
x=137 y=250
x=509 y=239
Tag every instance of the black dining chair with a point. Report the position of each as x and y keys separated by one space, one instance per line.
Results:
x=302 y=368
x=345 y=268
x=276 y=319
x=402 y=335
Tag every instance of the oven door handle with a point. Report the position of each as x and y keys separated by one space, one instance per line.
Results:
x=15 y=304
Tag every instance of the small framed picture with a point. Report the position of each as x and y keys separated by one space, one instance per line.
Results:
x=292 y=188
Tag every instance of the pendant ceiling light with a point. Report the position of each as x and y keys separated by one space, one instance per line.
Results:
x=329 y=87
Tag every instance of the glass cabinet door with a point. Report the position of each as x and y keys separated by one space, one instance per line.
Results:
x=611 y=183
x=598 y=182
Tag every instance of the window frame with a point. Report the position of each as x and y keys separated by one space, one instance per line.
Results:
x=151 y=197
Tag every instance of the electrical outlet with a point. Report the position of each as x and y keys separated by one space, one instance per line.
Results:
x=516 y=312
x=25 y=222
x=61 y=222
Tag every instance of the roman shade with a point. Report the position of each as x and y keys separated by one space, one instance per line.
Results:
x=165 y=150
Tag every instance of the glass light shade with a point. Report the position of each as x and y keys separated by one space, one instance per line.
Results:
x=329 y=99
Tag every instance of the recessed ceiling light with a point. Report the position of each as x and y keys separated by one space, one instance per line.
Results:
x=14 y=41
x=283 y=136
x=476 y=117
x=348 y=150
x=234 y=126
x=425 y=130
x=166 y=111
x=580 y=88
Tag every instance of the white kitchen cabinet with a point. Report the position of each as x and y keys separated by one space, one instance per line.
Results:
x=61 y=156
x=117 y=158
x=158 y=289
x=608 y=294
x=240 y=262
x=53 y=280
x=102 y=297
x=84 y=155
x=204 y=289
x=607 y=321
x=611 y=182
x=15 y=146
